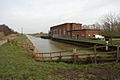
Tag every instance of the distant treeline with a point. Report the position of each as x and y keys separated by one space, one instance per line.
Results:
x=39 y=34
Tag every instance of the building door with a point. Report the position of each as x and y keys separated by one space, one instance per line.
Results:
x=77 y=36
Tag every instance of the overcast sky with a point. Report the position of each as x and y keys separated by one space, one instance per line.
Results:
x=40 y=15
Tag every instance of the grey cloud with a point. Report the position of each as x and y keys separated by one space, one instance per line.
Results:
x=39 y=15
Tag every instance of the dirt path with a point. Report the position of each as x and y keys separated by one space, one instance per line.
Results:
x=2 y=42
x=10 y=37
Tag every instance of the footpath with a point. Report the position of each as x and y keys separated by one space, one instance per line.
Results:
x=2 y=42
x=6 y=38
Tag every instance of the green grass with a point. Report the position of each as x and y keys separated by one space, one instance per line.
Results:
x=114 y=42
x=94 y=41
x=16 y=64
x=22 y=38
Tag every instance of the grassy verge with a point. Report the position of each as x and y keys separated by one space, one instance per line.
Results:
x=22 y=38
x=94 y=41
x=15 y=64
x=114 y=42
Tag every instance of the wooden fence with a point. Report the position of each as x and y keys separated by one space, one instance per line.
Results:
x=74 y=56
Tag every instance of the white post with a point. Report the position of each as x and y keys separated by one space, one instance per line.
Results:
x=106 y=45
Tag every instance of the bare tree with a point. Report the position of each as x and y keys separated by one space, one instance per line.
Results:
x=118 y=24
x=110 y=25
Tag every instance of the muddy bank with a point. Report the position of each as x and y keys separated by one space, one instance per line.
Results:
x=102 y=72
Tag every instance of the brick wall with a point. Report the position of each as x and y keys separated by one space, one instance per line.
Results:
x=72 y=30
x=90 y=33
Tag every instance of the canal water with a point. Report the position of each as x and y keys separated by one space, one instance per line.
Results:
x=47 y=45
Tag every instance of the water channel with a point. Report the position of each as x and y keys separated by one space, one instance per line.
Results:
x=47 y=45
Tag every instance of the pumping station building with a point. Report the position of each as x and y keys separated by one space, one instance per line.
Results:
x=73 y=30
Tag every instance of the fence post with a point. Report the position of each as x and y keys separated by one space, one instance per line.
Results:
x=60 y=57
x=74 y=56
x=50 y=56
x=95 y=53
x=106 y=47
x=118 y=54
x=42 y=56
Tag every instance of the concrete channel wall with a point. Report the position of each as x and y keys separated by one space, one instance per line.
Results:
x=84 y=44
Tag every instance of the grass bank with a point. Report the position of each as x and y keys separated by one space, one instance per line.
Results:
x=22 y=38
x=16 y=64
x=114 y=42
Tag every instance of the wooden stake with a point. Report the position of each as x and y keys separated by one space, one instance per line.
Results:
x=95 y=53
x=117 y=54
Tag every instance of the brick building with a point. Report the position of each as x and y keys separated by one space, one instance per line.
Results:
x=72 y=30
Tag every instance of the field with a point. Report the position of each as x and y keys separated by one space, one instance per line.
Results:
x=16 y=64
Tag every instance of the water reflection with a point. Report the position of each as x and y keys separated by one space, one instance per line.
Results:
x=46 y=45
